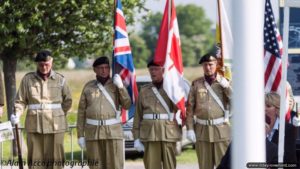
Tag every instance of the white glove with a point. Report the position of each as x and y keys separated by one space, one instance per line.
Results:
x=81 y=142
x=296 y=121
x=191 y=136
x=224 y=82
x=138 y=145
x=15 y=119
x=118 y=81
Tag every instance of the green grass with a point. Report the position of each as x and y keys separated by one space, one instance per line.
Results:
x=76 y=79
x=188 y=155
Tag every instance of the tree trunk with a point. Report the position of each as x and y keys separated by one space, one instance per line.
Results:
x=9 y=71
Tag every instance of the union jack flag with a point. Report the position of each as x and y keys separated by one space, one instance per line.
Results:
x=122 y=59
x=273 y=47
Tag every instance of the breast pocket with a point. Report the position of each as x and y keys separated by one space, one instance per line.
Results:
x=202 y=95
x=113 y=93
x=35 y=91
x=54 y=92
x=91 y=95
x=149 y=101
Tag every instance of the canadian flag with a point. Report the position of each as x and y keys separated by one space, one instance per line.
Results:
x=168 y=54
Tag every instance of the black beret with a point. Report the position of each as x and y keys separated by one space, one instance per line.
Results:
x=208 y=58
x=101 y=60
x=43 y=56
x=152 y=63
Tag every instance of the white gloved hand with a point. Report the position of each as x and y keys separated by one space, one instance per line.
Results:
x=15 y=119
x=224 y=82
x=191 y=136
x=118 y=81
x=81 y=142
x=138 y=145
x=296 y=121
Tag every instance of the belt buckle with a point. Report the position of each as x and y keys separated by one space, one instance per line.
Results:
x=156 y=116
x=101 y=122
x=209 y=122
x=43 y=106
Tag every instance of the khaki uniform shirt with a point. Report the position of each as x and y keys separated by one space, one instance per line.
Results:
x=1 y=90
x=94 y=105
x=154 y=130
x=34 y=90
x=202 y=105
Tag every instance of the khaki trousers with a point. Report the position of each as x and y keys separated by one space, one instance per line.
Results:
x=210 y=153
x=160 y=154
x=45 y=151
x=105 y=154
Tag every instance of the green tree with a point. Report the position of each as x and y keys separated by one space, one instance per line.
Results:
x=67 y=27
x=195 y=32
x=150 y=31
x=140 y=51
x=197 y=36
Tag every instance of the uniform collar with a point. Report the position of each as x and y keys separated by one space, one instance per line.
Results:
x=217 y=79
x=52 y=74
x=275 y=127
x=109 y=81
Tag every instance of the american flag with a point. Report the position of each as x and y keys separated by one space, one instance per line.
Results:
x=122 y=59
x=273 y=54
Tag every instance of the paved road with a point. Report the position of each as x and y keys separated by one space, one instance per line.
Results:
x=140 y=165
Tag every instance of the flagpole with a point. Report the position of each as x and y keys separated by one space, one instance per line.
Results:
x=169 y=13
x=113 y=56
x=248 y=83
x=221 y=63
x=283 y=83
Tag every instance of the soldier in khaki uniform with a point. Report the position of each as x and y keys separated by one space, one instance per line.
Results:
x=207 y=118
x=47 y=97
x=155 y=128
x=98 y=123
x=1 y=95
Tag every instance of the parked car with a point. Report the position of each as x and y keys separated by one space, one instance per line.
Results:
x=127 y=127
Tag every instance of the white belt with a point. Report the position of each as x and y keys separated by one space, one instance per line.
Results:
x=44 y=106
x=210 y=122
x=102 y=122
x=158 y=116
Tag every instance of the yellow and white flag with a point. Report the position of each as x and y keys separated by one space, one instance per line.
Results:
x=224 y=37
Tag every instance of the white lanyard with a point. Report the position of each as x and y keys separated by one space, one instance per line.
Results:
x=162 y=101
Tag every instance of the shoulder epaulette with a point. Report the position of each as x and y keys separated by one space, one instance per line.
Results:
x=60 y=74
x=199 y=79
x=63 y=80
x=29 y=74
x=146 y=86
